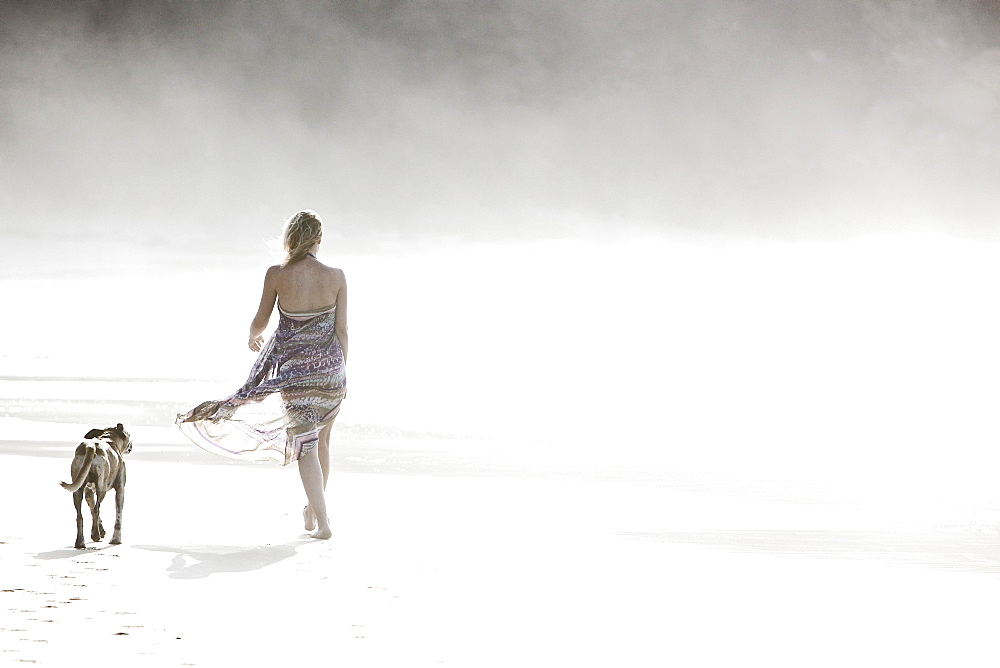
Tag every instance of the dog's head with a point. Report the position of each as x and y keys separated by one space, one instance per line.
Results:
x=117 y=435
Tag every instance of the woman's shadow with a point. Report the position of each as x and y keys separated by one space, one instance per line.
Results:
x=200 y=561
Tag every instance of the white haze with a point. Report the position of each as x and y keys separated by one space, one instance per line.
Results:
x=871 y=360
x=753 y=235
x=498 y=120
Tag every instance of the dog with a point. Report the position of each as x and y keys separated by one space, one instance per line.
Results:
x=99 y=465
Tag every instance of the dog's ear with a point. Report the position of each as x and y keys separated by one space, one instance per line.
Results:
x=94 y=433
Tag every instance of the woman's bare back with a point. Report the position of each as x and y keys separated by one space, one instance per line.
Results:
x=307 y=285
x=301 y=287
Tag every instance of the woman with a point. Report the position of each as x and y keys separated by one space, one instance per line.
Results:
x=285 y=411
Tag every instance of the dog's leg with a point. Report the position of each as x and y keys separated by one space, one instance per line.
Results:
x=78 y=503
x=91 y=503
x=94 y=501
x=116 y=539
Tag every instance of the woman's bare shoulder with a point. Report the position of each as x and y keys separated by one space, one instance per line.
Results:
x=334 y=272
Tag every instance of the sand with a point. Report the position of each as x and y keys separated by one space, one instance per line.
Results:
x=487 y=570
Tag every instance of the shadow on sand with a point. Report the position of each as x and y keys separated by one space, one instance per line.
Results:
x=956 y=551
x=200 y=561
x=68 y=552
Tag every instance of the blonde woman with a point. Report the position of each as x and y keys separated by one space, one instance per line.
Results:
x=285 y=410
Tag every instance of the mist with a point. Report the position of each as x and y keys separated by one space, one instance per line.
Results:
x=491 y=121
x=671 y=322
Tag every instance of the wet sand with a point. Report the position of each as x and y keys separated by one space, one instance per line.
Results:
x=490 y=570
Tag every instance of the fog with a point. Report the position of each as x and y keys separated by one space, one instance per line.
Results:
x=746 y=232
x=700 y=284
x=185 y=121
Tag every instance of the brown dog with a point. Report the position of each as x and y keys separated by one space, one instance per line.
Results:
x=98 y=466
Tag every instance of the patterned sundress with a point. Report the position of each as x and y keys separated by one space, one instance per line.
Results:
x=295 y=388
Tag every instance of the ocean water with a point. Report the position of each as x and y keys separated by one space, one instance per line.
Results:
x=869 y=362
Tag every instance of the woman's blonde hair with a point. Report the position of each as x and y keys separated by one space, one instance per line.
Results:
x=302 y=231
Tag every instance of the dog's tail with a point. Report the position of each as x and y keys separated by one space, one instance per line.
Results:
x=81 y=475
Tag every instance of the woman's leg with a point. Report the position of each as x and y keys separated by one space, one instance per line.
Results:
x=324 y=452
x=323 y=449
x=312 y=481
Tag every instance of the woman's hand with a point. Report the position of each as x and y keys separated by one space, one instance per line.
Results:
x=255 y=343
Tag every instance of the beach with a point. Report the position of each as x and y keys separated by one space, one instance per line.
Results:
x=673 y=337
x=739 y=477
x=450 y=563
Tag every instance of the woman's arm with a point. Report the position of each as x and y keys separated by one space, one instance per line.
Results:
x=342 y=313
x=267 y=299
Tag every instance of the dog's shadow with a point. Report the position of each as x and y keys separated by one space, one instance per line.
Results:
x=68 y=552
x=200 y=561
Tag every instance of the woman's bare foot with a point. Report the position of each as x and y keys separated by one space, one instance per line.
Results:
x=323 y=533
x=309 y=518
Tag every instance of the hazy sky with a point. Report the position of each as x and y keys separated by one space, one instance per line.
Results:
x=502 y=119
